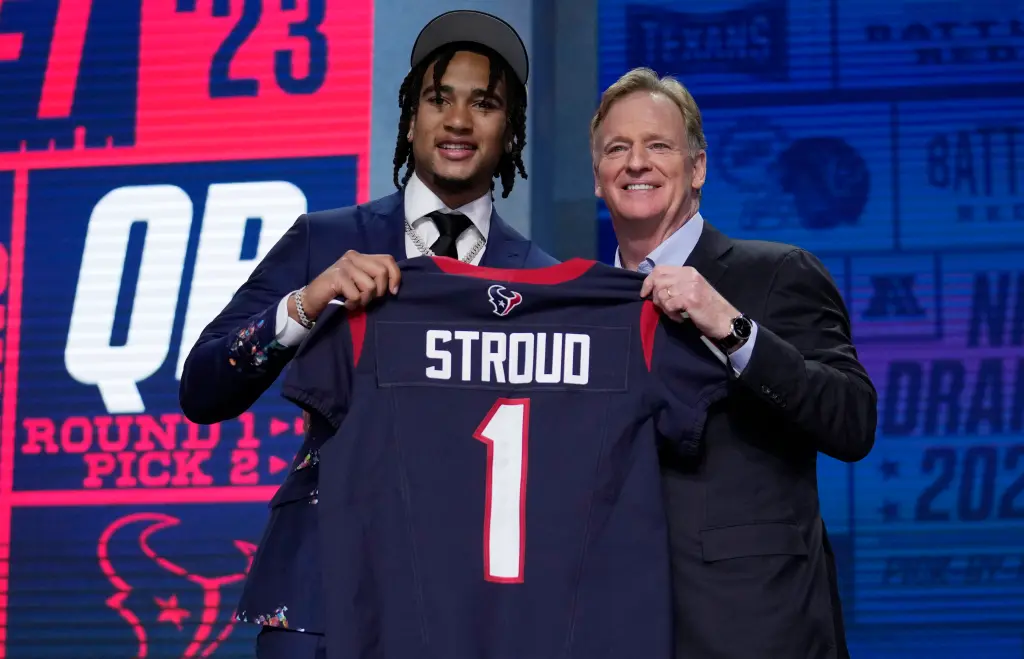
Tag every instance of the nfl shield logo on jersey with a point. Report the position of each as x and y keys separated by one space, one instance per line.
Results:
x=503 y=300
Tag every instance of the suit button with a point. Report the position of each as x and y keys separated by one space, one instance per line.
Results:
x=765 y=390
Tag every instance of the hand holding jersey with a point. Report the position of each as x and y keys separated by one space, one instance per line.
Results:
x=679 y=290
x=357 y=278
x=563 y=379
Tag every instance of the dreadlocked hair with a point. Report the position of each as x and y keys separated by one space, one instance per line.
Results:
x=408 y=99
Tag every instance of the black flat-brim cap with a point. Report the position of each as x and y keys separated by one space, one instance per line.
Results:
x=474 y=27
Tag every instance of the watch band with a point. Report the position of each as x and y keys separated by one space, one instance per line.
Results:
x=728 y=342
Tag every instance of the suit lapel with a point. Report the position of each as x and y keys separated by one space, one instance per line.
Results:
x=505 y=248
x=385 y=232
x=707 y=254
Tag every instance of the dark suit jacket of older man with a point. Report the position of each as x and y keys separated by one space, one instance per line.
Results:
x=753 y=572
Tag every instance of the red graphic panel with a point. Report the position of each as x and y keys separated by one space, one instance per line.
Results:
x=211 y=80
x=283 y=83
x=207 y=126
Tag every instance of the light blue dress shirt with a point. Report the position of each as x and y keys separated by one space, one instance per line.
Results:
x=674 y=251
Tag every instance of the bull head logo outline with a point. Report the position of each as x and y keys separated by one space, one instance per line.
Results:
x=203 y=642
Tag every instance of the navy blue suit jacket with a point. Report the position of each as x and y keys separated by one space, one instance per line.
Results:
x=236 y=359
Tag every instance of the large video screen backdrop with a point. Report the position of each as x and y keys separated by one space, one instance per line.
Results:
x=887 y=137
x=150 y=154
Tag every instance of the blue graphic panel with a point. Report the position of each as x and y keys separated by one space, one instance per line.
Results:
x=895 y=298
x=962 y=173
x=887 y=138
x=154 y=581
x=122 y=270
x=810 y=176
x=955 y=645
x=909 y=43
x=92 y=87
x=720 y=47
x=940 y=502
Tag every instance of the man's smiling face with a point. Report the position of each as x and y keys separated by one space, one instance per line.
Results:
x=643 y=169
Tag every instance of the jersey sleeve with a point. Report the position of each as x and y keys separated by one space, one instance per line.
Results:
x=688 y=379
x=320 y=376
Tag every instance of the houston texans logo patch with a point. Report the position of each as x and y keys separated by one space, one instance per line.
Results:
x=503 y=300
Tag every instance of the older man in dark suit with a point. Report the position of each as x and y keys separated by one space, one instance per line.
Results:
x=753 y=573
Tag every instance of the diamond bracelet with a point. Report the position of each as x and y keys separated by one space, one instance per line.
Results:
x=303 y=318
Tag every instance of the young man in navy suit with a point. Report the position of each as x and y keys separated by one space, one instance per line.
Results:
x=462 y=126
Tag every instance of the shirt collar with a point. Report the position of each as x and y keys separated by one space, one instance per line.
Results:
x=420 y=202
x=675 y=249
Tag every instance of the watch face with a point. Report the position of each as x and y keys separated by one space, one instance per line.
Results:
x=741 y=328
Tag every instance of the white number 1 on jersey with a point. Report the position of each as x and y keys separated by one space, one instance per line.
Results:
x=505 y=431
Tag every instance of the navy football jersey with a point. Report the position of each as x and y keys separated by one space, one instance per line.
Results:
x=493 y=488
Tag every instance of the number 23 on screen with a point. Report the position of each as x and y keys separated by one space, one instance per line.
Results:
x=306 y=28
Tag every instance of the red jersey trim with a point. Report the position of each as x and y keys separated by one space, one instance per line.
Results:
x=357 y=328
x=552 y=274
x=649 y=317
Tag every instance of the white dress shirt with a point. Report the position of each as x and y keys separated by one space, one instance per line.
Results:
x=419 y=202
x=674 y=251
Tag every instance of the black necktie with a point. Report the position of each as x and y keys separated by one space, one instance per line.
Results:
x=450 y=226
